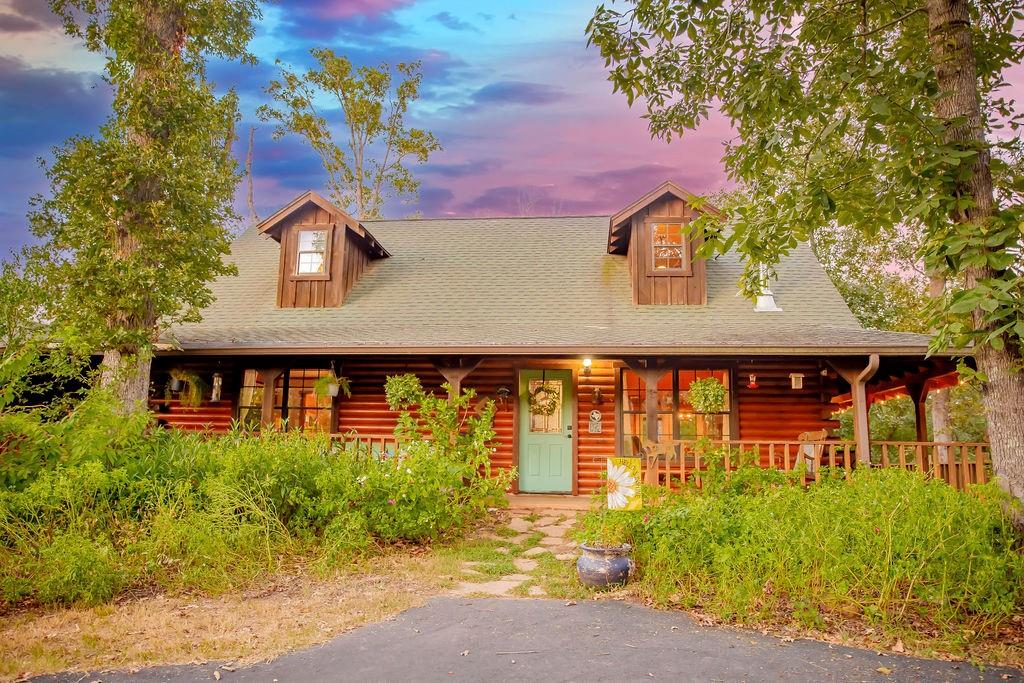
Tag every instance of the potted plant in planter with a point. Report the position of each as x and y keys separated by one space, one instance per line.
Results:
x=605 y=562
x=190 y=386
x=606 y=557
x=332 y=385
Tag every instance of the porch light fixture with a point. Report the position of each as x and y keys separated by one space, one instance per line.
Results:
x=503 y=394
x=752 y=383
x=218 y=384
x=586 y=366
x=796 y=380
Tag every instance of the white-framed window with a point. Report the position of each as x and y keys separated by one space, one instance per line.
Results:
x=312 y=252
x=669 y=247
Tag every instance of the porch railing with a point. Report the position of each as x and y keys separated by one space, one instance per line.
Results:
x=380 y=445
x=958 y=463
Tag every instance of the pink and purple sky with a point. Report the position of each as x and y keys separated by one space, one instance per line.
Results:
x=528 y=122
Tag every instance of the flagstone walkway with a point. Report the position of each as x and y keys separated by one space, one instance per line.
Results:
x=530 y=538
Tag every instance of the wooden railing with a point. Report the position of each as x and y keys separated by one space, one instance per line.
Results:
x=955 y=462
x=380 y=445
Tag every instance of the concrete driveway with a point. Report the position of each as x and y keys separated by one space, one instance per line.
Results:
x=458 y=639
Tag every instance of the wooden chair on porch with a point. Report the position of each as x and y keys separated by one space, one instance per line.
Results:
x=813 y=453
x=654 y=454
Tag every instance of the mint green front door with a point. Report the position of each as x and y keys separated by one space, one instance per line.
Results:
x=546 y=405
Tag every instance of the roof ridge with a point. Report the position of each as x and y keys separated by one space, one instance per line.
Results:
x=481 y=218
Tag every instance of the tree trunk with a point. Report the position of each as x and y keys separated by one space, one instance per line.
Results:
x=940 y=421
x=940 y=397
x=125 y=370
x=126 y=376
x=249 y=197
x=952 y=54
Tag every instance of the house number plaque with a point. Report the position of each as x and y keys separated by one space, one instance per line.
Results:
x=595 y=422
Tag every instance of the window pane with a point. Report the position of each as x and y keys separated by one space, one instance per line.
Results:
x=668 y=257
x=634 y=392
x=311 y=263
x=313 y=240
x=668 y=233
x=547 y=424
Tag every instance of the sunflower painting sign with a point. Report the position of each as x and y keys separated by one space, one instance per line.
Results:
x=624 y=477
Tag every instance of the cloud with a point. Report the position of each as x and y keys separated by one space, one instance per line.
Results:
x=35 y=11
x=434 y=201
x=450 y=21
x=463 y=169
x=518 y=92
x=14 y=23
x=41 y=107
x=355 y=21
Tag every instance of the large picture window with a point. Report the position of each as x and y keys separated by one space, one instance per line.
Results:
x=676 y=417
x=295 y=403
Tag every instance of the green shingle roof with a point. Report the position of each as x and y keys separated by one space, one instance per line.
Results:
x=523 y=285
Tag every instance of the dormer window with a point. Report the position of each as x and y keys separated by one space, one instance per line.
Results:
x=670 y=253
x=312 y=256
x=324 y=252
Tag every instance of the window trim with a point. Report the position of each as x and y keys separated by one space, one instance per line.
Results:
x=687 y=269
x=294 y=273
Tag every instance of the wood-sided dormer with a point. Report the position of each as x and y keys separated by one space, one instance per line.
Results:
x=655 y=235
x=323 y=252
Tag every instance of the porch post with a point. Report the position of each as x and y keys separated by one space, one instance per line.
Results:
x=918 y=392
x=651 y=371
x=455 y=373
x=267 y=407
x=858 y=379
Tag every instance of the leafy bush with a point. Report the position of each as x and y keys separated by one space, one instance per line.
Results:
x=113 y=502
x=889 y=546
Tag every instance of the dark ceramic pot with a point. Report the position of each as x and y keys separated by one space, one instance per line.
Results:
x=600 y=567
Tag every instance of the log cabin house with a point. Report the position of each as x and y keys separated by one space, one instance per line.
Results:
x=618 y=313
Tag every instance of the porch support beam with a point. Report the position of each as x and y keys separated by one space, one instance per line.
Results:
x=918 y=392
x=455 y=370
x=270 y=375
x=858 y=378
x=651 y=370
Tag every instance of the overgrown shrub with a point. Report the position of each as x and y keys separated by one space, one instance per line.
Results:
x=889 y=546
x=116 y=502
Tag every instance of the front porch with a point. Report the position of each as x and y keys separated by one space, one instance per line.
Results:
x=780 y=410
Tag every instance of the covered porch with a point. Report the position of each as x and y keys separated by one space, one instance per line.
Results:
x=780 y=409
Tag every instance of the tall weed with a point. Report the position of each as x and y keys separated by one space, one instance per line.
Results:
x=888 y=546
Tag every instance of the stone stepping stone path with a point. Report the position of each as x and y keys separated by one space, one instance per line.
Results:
x=553 y=526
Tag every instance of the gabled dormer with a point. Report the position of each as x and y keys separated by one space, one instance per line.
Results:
x=655 y=235
x=323 y=252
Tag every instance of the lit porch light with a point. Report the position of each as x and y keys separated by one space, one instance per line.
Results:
x=796 y=380
x=587 y=362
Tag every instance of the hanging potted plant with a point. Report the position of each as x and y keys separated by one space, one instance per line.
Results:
x=707 y=396
x=190 y=387
x=332 y=385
